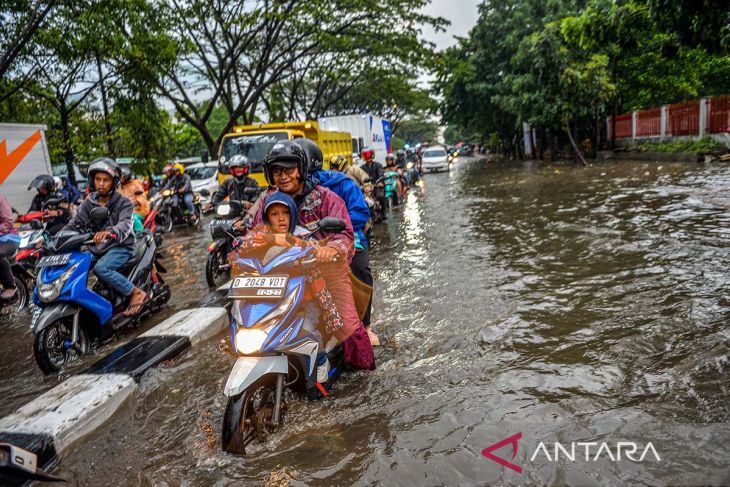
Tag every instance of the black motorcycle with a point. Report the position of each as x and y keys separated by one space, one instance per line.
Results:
x=217 y=269
x=172 y=210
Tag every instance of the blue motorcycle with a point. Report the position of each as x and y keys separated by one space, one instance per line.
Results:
x=70 y=310
x=275 y=336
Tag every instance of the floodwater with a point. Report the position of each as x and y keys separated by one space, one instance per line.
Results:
x=564 y=303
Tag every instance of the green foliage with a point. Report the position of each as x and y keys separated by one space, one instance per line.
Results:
x=703 y=145
x=564 y=64
x=413 y=131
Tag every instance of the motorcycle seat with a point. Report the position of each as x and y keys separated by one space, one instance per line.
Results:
x=140 y=247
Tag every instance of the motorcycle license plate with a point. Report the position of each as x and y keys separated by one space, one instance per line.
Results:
x=258 y=287
x=54 y=260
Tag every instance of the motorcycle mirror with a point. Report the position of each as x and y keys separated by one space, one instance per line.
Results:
x=36 y=224
x=331 y=224
x=22 y=464
x=205 y=192
x=53 y=202
x=99 y=214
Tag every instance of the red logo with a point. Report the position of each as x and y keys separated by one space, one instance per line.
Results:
x=8 y=162
x=487 y=452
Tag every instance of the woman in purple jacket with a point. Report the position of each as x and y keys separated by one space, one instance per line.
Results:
x=9 y=241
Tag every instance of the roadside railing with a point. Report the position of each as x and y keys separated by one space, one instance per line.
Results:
x=691 y=118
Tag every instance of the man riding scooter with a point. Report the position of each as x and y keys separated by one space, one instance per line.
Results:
x=357 y=208
x=105 y=175
x=375 y=171
x=57 y=215
x=181 y=183
x=286 y=169
x=239 y=187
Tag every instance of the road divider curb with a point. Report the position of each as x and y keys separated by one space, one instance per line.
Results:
x=52 y=422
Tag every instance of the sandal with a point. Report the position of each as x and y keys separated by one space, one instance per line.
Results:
x=134 y=309
x=374 y=340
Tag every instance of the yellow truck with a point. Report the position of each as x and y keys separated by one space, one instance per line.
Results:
x=254 y=141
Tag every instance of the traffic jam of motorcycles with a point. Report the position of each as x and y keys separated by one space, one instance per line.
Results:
x=290 y=226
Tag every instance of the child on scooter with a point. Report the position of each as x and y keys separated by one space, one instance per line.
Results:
x=280 y=218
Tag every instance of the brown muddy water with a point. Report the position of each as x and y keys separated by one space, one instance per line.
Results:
x=562 y=303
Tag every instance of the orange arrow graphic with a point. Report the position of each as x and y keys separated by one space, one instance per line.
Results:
x=8 y=162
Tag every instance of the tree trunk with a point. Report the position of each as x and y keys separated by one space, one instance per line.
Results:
x=68 y=154
x=575 y=147
x=614 y=108
x=105 y=106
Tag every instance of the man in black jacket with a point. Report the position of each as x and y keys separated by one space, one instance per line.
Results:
x=375 y=171
x=58 y=215
x=105 y=175
x=239 y=187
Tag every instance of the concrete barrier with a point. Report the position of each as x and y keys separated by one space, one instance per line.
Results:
x=52 y=422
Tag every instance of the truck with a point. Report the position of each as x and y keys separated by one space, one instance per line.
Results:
x=23 y=156
x=254 y=142
x=368 y=131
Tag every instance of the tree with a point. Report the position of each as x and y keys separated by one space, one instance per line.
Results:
x=20 y=22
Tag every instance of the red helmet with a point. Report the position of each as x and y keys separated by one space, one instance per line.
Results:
x=367 y=155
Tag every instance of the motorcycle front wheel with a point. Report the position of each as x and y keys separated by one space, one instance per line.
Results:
x=52 y=345
x=214 y=273
x=248 y=415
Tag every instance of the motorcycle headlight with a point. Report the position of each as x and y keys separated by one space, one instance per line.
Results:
x=249 y=340
x=409 y=165
x=50 y=291
x=167 y=192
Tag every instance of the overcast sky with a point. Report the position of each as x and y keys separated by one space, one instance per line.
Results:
x=461 y=13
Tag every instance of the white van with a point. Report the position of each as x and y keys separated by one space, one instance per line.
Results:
x=435 y=158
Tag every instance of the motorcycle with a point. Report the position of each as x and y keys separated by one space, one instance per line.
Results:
x=172 y=210
x=23 y=265
x=217 y=269
x=273 y=348
x=412 y=175
x=70 y=309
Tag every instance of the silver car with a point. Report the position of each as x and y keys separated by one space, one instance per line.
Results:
x=435 y=159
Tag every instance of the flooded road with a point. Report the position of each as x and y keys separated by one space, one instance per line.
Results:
x=562 y=302
x=184 y=253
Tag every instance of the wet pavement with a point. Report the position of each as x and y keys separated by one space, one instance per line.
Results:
x=551 y=300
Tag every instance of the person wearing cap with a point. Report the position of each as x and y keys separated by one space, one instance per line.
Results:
x=285 y=168
x=105 y=177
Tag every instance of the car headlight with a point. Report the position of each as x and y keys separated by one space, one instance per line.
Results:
x=50 y=291
x=249 y=340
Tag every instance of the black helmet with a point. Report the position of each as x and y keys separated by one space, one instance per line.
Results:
x=43 y=181
x=106 y=165
x=239 y=160
x=126 y=174
x=400 y=154
x=389 y=159
x=285 y=154
x=315 y=158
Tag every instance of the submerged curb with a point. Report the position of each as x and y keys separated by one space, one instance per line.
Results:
x=52 y=422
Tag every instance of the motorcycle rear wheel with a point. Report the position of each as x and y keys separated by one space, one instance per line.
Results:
x=248 y=415
x=49 y=348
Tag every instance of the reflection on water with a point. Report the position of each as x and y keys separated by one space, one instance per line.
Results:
x=508 y=298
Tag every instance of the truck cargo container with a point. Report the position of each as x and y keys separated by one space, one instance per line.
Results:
x=254 y=141
x=367 y=130
x=23 y=156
